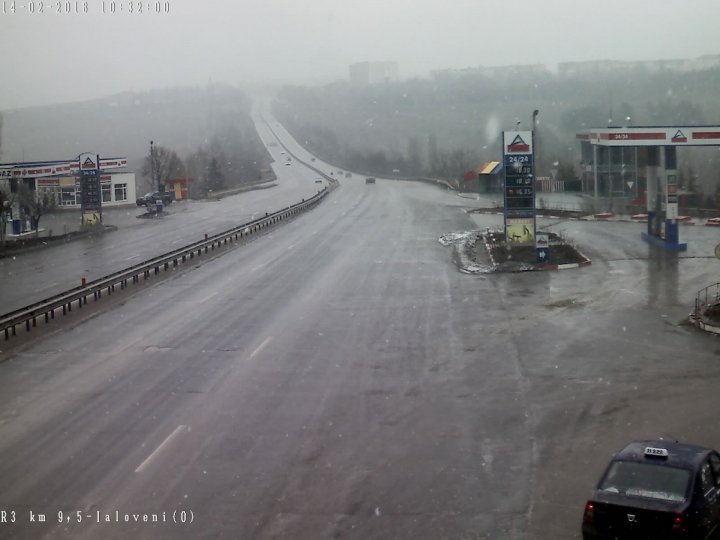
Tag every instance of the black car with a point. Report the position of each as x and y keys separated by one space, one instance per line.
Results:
x=656 y=490
x=149 y=198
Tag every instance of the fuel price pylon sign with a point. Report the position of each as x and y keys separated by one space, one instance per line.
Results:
x=519 y=192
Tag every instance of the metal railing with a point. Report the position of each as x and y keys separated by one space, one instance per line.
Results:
x=709 y=296
x=46 y=308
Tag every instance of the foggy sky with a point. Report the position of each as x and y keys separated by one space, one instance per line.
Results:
x=52 y=58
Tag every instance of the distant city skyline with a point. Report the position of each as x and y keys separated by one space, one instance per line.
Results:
x=53 y=58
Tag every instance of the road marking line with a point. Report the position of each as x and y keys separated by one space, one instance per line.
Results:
x=131 y=344
x=159 y=448
x=133 y=257
x=261 y=346
x=207 y=298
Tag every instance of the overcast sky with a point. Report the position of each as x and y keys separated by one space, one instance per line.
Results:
x=51 y=57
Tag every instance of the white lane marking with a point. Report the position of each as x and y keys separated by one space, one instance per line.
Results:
x=291 y=246
x=258 y=267
x=131 y=344
x=261 y=346
x=177 y=241
x=133 y=257
x=208 y=297
x=159 y=448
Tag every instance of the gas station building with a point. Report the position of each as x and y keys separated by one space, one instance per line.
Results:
x=621 y=161
x=62 y=179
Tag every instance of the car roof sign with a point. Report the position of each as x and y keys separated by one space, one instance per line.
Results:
x=656 y=452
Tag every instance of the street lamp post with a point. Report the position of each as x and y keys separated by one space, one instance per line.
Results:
x=535 y=140
x=152 y=166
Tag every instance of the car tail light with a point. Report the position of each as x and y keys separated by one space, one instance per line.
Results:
x=589 y=515
x=679 y=523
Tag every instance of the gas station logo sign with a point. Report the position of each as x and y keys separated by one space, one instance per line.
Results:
x=518 y=145
x=679 y=137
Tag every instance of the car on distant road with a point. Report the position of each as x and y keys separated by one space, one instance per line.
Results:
x=370 y=180
x=656 y=490
x=149 y=199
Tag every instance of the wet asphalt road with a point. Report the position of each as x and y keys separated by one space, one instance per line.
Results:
x=340 y=378
x=40 y=274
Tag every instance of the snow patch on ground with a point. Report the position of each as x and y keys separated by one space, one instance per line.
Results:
x=463 y=243
x=449 y=239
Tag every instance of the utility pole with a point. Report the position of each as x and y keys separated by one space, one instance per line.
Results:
x=536 y=148
x=152 y=166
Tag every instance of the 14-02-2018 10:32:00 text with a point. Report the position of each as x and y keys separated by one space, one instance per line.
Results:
x=67 y=7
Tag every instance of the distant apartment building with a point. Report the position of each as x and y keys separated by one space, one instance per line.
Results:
x=493 y=72
x=596 y=67
x=366 y=73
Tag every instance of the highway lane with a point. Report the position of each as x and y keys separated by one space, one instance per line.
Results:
x=36 y=275
x=320 y=380
x=340 y=377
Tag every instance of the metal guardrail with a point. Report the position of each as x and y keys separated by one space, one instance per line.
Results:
x=709 y=296
x=46 y=308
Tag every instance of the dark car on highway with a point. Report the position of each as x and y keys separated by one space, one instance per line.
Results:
x=149 y=199
x=656 y=490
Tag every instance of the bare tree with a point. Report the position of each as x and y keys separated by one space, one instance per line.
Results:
x=207 y=167
x=36 y=204
x=6 y=200
x=167 y=164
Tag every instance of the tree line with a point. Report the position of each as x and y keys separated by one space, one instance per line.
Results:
x=444 y=126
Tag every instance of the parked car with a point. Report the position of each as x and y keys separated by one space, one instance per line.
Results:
x=370 y=180
x=149 y=199
x=656 y=490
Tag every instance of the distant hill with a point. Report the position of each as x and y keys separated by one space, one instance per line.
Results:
x=180 y=119
x=445 y=125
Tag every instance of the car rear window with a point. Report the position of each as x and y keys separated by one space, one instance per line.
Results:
x=647 y=480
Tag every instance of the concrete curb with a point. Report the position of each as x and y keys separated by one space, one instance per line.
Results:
x=696 y=320
x=586 y=262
